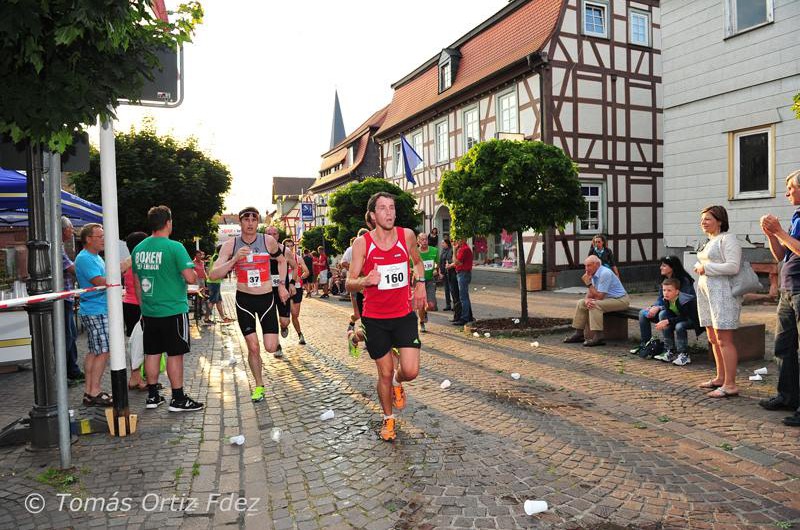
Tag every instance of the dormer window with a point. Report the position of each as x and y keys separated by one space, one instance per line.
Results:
x=445 y=77
x=448 y=66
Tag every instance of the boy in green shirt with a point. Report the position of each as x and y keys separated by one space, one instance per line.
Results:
x=430 y=260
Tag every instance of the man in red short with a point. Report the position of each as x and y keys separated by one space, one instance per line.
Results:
x=388 y=320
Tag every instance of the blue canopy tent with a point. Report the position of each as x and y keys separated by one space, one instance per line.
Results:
x=14 y=203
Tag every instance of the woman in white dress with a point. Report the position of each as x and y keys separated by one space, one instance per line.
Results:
x=717 y=308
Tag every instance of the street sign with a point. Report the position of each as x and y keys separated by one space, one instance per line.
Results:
x=166 y=88
x=306 y=211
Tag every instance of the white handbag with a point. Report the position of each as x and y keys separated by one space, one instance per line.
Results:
x=136 y=346
x=746 y=280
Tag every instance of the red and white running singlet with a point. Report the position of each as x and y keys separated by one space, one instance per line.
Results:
x=391 y=298
x=254 y=270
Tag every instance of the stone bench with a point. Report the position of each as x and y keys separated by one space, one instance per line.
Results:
x=749 y=338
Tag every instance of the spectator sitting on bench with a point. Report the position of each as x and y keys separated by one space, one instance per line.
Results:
x=674 y=322
x=605 y=294
x=671 y=267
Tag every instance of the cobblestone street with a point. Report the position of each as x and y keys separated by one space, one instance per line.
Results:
x=607 y=439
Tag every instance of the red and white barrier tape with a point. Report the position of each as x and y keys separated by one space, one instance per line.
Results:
x=50 y=297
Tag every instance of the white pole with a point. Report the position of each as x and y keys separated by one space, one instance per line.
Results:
x=116 y=340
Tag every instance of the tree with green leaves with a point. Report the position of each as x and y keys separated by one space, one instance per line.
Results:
x=153 y=170
x=512 y=185
x=315 y=237
x=66 y=62
x=347 y=206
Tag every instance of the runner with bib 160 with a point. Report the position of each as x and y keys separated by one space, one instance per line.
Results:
x=388 y=321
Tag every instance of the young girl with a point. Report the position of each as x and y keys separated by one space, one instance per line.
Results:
x=601 y=250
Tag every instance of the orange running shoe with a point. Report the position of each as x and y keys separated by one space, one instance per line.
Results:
x=398 y=397
x=387 y=430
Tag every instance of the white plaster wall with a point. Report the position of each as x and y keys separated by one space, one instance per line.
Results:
x=709 y=84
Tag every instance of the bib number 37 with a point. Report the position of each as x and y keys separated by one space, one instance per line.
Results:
x=253 y=278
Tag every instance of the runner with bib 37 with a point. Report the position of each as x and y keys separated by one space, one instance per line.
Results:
x=388 y=321
x=249 y=255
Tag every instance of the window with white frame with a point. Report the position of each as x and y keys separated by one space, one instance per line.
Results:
x=397 y=162
x=442 y=142
x=752 y=164
x=639 y=27
x=416 y=143
x=595 y=18
x=592 y=222
x=445 y=77
x=507 y=112
x=472 y=134
x=741 y=15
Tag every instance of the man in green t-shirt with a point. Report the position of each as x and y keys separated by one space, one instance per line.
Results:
x=161 y=269
x=430 y=260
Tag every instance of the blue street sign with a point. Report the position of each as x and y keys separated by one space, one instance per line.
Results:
x=306 y=211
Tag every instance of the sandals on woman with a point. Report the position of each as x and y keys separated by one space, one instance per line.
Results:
x=721 y=393
x=709 y=384
x=100 y=400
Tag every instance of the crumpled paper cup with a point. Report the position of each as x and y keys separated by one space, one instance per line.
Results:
x=534 y=507
x=515 y=375
x=445 y=384
x=327 y=415
x=756 y=377
x=761 y=371
x=237 y=440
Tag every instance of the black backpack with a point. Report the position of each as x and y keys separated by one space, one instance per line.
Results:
x=652 y=348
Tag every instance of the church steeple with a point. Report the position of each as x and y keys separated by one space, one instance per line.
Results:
x=337 y=128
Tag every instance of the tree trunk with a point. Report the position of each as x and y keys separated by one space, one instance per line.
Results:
x=523 y=292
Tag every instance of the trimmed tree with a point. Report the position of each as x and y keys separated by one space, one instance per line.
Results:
x=347 y=206
x=512 y=185
x=153 y=170
x=313 y=238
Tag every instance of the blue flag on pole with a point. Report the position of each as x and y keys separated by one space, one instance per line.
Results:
x=410 y=158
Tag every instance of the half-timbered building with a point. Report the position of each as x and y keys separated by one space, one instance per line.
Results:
x=287 y=192
x=354 y=158
x=581 y=74
x=730 y=135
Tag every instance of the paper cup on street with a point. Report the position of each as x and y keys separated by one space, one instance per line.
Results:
x=756 y=377
x=761 y=371
x=534 y=507
x=445 y=384
x=516 y=321
x=237 y=440
x=232 y=361
x=483 y=288
x=515 y=375
x=276 y=434
x=535 y=344
x=327 y=415
x=476 y=334
x=487 y=335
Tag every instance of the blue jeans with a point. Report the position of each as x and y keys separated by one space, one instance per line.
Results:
x=786 y=346
x=464 y=279
x=644 y=325
x=676 y=338
x=71 y=335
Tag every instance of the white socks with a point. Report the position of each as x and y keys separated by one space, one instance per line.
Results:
x=389 y=417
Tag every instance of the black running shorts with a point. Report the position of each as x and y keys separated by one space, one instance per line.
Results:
x=252 y=307
x=298 y=296
x=166 y=334
x=284 y=309
x=383 y=334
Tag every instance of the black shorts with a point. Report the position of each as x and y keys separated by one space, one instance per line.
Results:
x=383 y=334
x=252 y=307
x=166 y=334
x=284 y=310
x=360 y=302
x=298 y=296
x=131 y=313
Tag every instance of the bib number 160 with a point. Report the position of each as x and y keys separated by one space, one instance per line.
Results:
x=395 y=278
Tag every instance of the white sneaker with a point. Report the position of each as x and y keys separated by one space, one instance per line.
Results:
x=682 y=360
x=662 y=356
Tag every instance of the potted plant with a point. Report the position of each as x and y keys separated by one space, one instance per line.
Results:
x=533 y=277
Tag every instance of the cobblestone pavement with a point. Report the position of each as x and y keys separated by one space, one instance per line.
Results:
x=608 y=440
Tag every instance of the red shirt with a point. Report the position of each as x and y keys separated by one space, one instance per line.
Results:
x=464 y=256
x=200 y=269
x=320 y=264
x=391 y=298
